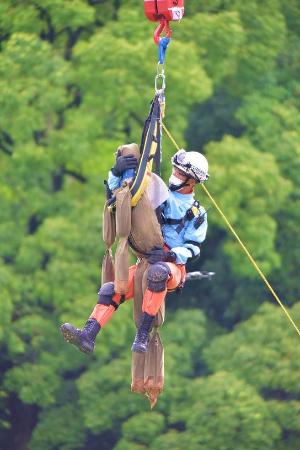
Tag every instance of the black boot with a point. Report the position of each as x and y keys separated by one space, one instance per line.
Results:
x=83 y=339
x=141 y=340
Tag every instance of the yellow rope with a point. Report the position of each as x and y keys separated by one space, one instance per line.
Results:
x=170 y=136
x=250 y=257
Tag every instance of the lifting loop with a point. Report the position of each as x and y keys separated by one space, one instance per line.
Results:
x=162 y=48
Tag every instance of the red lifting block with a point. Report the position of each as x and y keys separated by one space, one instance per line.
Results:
x=164 y=9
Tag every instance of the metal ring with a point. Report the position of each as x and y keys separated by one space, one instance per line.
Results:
x=160 y=69
x=163 y=83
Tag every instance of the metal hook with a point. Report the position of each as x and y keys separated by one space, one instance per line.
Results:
x=164 y=23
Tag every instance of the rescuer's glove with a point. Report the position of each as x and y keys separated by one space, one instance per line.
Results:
x=158 y=254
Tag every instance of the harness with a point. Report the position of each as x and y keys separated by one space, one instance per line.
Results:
x=190 y=214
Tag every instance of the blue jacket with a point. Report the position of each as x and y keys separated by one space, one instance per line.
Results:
x=183 y=240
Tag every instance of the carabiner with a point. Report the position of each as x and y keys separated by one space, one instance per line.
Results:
x=160 y=75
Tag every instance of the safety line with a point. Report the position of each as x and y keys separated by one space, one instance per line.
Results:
x=250 y=257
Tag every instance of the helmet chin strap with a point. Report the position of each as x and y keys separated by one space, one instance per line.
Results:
x=177 y=187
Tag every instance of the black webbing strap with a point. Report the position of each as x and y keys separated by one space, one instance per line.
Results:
x=146 y=126
x=108 y=192
x=169 y=221
x=114 y=304
x=157 y=156
x=189 y=215
x=135 y=247
x=148 y=136
x=196 y=244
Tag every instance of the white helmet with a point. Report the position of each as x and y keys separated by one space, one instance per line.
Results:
x=193 y=164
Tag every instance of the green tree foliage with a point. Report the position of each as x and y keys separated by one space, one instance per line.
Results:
x=69 y=433
x=236 y=163
x=272 y=124
x=105 y=397
x=76 y=79
x=262 y=106
x=264 y=351
x=134 y=428
x=222 y=411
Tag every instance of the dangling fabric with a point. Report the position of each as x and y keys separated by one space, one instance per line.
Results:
x=154 y=368
x=123 y=225
x=138 y=359
x=108 y=268
x=109 y=226
x=109 y=236
x=154 y=361
x=147 y=369
x=122 y=267
x=123 y=212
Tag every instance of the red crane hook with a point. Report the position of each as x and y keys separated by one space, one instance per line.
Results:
x=164 y=24
x=163 y=11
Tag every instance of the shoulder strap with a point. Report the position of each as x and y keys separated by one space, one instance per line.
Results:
x=190 y=214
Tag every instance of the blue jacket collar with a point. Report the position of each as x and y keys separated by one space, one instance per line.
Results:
x=182 y=197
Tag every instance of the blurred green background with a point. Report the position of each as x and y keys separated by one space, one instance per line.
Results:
x=76 y=79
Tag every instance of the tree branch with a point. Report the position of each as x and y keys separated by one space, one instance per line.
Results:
x=75 y=175
x=44 y=15
x=6 y=143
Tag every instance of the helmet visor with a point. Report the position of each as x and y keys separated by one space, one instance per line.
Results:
x=181 y=161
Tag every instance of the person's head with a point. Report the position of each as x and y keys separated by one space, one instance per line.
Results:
x=189 y=168
x=129 y=150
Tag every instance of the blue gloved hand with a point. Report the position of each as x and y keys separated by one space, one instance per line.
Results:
x=124 y=163
x=158 y=254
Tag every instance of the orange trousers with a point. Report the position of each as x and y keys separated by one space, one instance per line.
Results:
x=152 y=301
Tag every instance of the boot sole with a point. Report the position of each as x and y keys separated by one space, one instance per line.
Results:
x=71 y=338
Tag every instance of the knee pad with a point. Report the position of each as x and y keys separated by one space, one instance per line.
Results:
x=157 y=277
x=106 y=293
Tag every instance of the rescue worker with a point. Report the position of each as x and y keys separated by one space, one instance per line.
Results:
x=184 y=225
